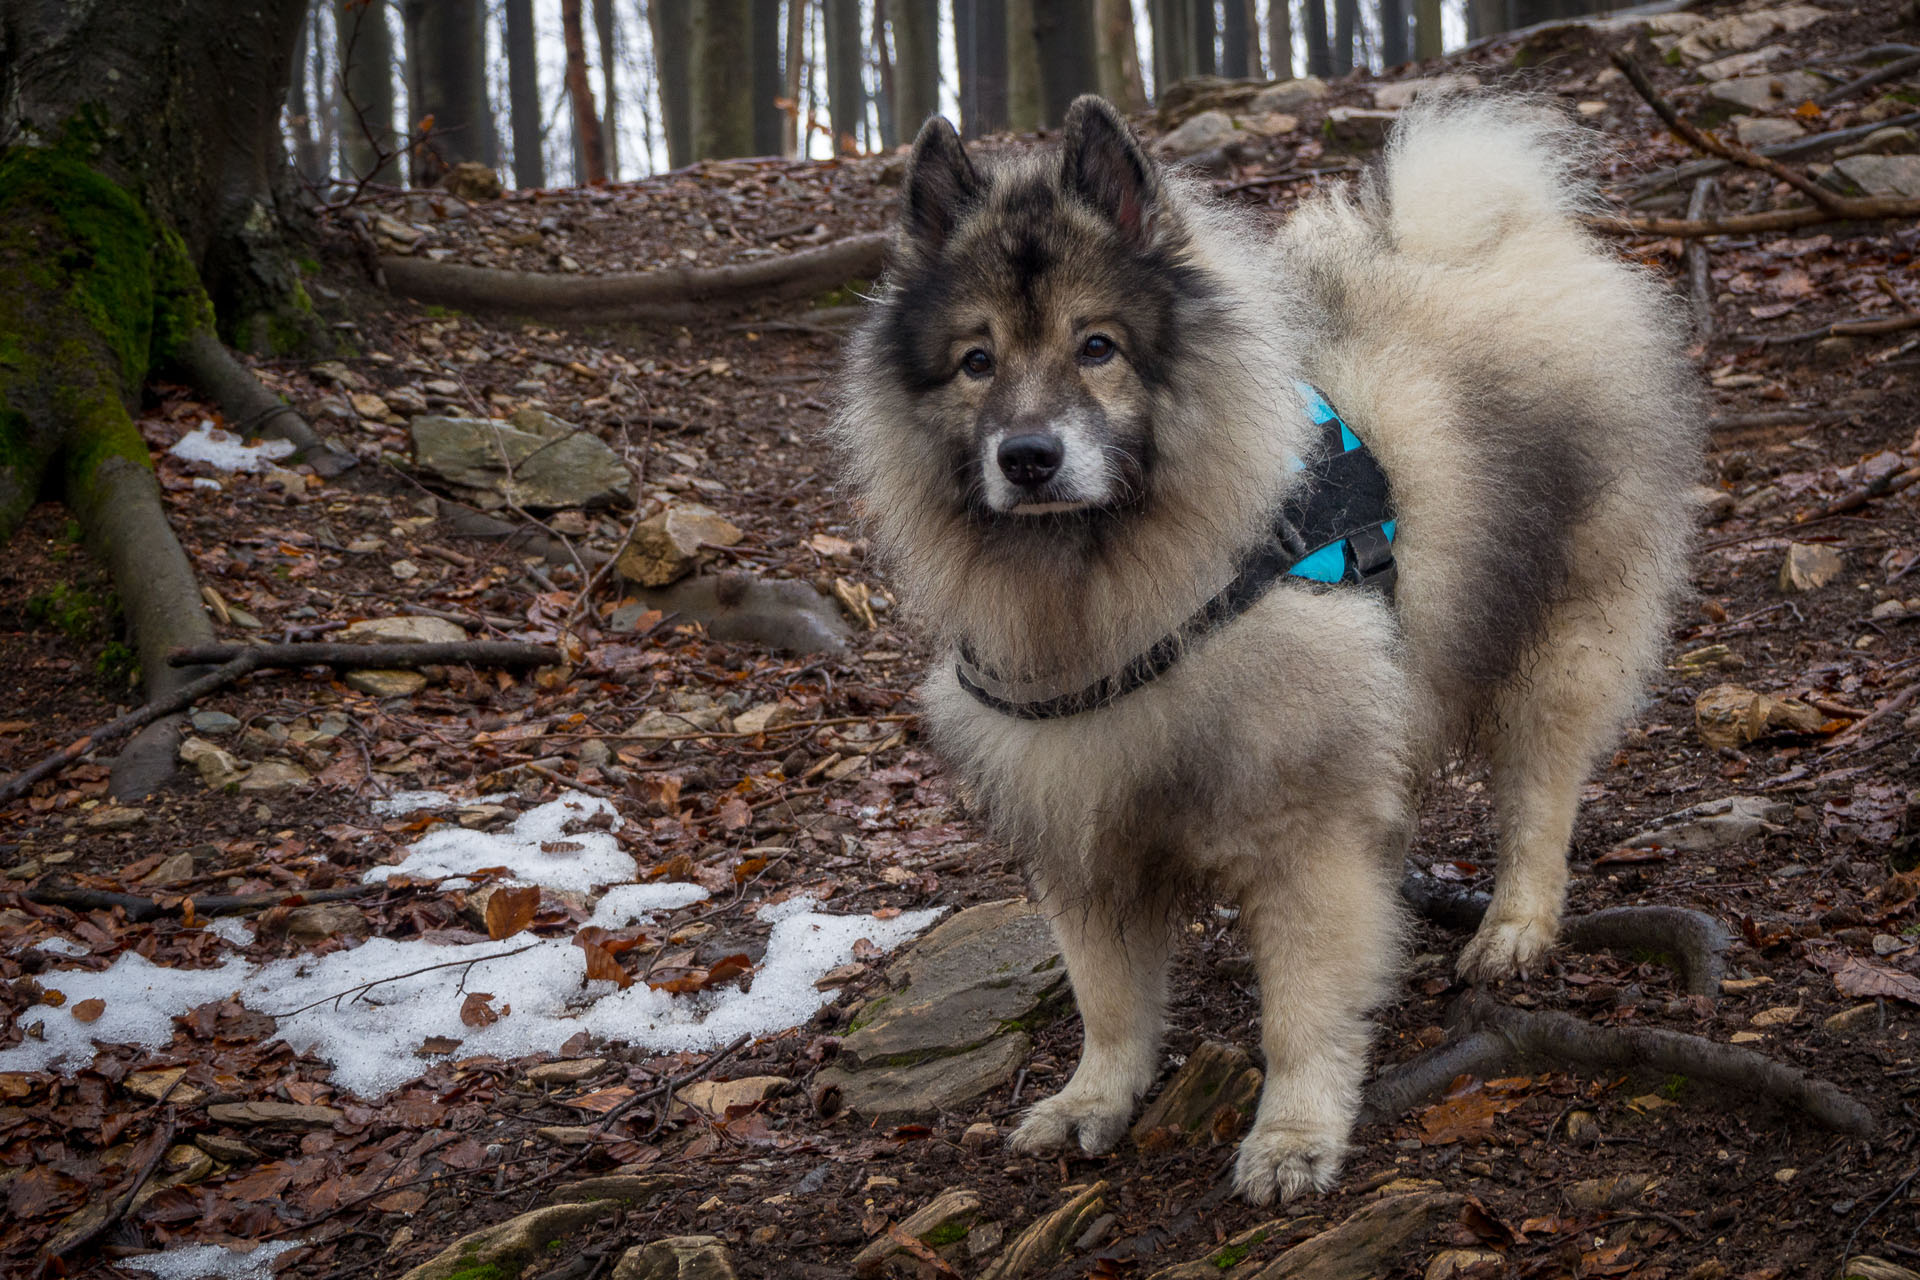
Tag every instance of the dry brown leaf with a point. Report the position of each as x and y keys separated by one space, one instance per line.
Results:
x=603 y=965
x=509 y=910
x=89 y=1010
x=1863 y=981
x=477 y=1010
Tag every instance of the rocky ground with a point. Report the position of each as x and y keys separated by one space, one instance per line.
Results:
x=735 y=686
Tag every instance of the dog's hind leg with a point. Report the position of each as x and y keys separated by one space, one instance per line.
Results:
x=1324 y=932
x=1548 y=731
x=1117 y=962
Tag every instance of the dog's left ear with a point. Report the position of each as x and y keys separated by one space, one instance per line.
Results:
x=1106 y=167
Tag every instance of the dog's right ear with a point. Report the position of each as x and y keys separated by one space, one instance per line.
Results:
x=941 y=184
x=1106 y=167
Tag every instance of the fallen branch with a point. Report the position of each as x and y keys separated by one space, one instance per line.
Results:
x=1645 y=186
x=1879 y=75
x=1885 y=486
x=1892 y=706
x=1495 y=1038
x=1699 y=276
x=152 y=1149
x=672 y=293
x=479 y=653
x=251 y=408
x=1839 y=328
x=1868 y=208
x=141 y=909
x=1696 y=941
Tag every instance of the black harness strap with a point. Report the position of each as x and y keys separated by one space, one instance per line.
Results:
x=1337 y=529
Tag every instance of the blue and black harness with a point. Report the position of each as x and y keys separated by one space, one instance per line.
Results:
x=1335 y=528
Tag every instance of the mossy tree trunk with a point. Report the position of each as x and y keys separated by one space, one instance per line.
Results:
x=138 y=202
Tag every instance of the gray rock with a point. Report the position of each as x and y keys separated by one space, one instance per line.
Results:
x=507 y=1250
x=1763 y=131
x=318 y=921
x=1881 y=175
x=1214 y=1076
x=1204 y=132
x=1894 y=140
x=636 y=1189
x=891 y=1095
x=782 y=616
x=1811 y=565
x=1288 y=95
x=385 y=682
x=1847 y=1022
x=1043 y=1244
x=1401 y=93
x=1717 y=824
x=554 y=463
x=275 y=775
x=403 y=629
x=986 y=969
x=677 y=1258
x=1866 y=1267
x=1768 y=92
x=1358 y=129
x=672 y=543
x=1369 y=1242
x=214 y=722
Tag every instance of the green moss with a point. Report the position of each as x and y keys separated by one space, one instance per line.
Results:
x=180 y=306
x=1673 y=1088
x=117 y=665
x=435 y=311
x=1231 y=1255
x=74 y=612
x=947 y=1233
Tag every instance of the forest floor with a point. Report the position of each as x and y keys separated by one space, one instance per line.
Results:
x=211 y=1129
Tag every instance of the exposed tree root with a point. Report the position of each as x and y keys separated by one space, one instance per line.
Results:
x=250 y=407
x=1491 y=1037
x=479 y=653
x=140 y=908
x=672 y=293
x=1693 y=941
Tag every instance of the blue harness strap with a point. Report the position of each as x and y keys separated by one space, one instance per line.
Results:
x=1336 y=528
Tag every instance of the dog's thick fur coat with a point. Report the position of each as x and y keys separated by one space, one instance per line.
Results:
x=1523 y=390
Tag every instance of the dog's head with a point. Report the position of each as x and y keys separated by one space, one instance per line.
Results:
x=1034 y=322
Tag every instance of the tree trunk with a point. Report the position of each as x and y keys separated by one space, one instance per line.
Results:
x=1119 y=55
x=766 y=77
x=589 y=147
x=1393 y=32
x=916 y=62
x=1239 y=43
x=722 y=79
x=980 y=28
x=445 y=41
x=1025 y=104
x=796 y=65
x=1427 y=37
x=1486 y=18
x=1064 y=33
x=1174 y=52
x=523 y=96
x=1280 y=39
x=606 y=40
x=846 y=92
x=365 y=42
x=884 y=101
x=1206 y=27
x=1346 y=22
x=1319 y=48
x=155 y=158
x=301 y=115
x=672 y=22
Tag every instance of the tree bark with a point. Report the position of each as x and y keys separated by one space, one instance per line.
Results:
x=846 y=93
x=307 y=156
x=1280 y=38
x=1427 y=38
x=796 y=63
x=365 y=42
x=589 y=147
x=766 y=77
x=884 y=101
x=1393 y=32
x=153 y=165
x=1119 y=55
x=722 y=79
x=1319 y=48
x=606 y=40
x=1025 y=104
x=1206 y=27
x=672 y=22
x=916 y=62
x=523 y=96
x=1239 y=41
x=1346 y=23
x=445 y=41
x=1063 y=30
x=1175 y=51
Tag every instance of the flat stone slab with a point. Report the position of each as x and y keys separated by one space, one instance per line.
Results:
x=983 y=972
x=890 y=1095
x=1882 y=175
x=1769 y=92
x=509 y=1249
x=1716 y=824
x=1368 y=1242
x=1208 y=1098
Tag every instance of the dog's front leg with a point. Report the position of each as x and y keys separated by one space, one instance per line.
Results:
x=1324 y=935
x=1117 y=963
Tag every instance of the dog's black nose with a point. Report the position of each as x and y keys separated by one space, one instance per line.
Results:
x=1031 y=460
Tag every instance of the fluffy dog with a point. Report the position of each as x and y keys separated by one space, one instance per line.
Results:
x=1082 y=395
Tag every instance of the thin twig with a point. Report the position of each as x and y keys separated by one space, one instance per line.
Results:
x=1699 y=275
x=357 y=991
x=1839 y=328
x=484 y=653
x=1879 y=75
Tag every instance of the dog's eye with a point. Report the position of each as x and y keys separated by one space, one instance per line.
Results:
x=977 y=362
x=1097 y=349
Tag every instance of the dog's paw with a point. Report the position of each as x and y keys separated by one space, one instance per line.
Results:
x=1095 y=1124
x=1502 y=948
x=1284 y=1160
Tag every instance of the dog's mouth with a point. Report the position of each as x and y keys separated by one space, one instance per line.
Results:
x=1049 y=508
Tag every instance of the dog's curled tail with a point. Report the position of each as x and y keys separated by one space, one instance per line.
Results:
x=1467 y=173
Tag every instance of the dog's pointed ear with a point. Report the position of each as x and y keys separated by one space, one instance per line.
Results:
x=1106 y=168
x=941 y=184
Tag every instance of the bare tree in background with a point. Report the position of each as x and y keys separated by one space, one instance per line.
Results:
x=606 y=36
x=1240 y=40
x=1173 y=45
x=1025 y=105
x=1319 y=48
x=1119 y=54
x=589 y=148
x=796 y=66
x=1280 y=38
x=523 y=96
x=766 y=78
x=1064 y=32
x=365 y=44
x=1346 y=25
x=1205 y=19
x=916 y=62
x=672 y=24
x=721 y=79
x=846 y=93
x=1393 y=32
x=1427 y=38
x=884 y=100
x=980 y=38
x=447 y=82
x=308 y=157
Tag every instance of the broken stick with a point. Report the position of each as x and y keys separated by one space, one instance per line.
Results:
x=450 y=653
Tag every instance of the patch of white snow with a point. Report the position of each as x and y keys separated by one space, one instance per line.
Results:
x=227 y=451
